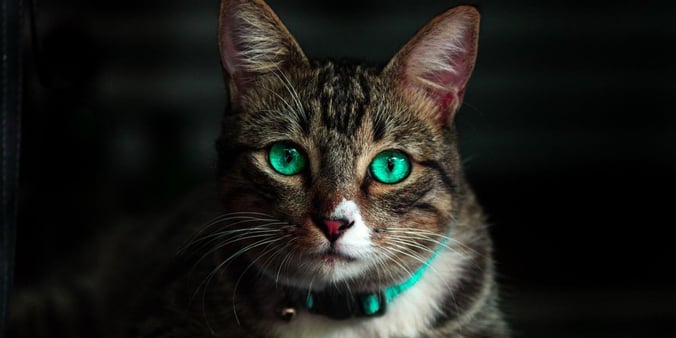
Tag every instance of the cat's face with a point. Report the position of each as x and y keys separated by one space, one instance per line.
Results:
x=334 y=172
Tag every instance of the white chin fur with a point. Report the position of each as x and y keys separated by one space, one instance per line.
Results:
x=355 y=243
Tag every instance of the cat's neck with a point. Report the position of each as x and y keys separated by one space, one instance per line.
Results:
x=409 y=313
x=341 y=303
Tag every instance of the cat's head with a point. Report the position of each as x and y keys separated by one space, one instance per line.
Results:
x=333 y=171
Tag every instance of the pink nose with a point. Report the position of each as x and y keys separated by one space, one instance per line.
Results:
x=333 y=228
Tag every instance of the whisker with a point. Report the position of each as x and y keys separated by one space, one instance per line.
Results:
x=392 y=256
x=251 y=264
x=217 y=235
x=238 y=238
x=415 y=245
x=204 y=285
x=244 y=216
x=420 y=233
x=429 y=266
x=403 y=250
x=286 y=103
x=281 y=265
x=234 y=215
x=290 y=89
x=271 y=222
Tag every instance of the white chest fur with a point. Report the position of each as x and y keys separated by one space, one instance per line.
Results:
x=407 y=315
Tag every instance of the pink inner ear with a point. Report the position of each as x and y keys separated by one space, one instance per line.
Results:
x=230 y=57
x=441 y=59
x=452 y=84
x=445 y=109
x=447 y=99
x=449 y=103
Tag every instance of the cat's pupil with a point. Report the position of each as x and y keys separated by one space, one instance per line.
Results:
x=390 y=164
x=288 y=155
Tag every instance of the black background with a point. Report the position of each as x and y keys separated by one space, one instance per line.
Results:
x=568 y=131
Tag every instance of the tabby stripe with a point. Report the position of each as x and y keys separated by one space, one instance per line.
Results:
x=378 y=127
x=304 y=121
x=324 y=99
x=408 y=198
x=448 y=182
x=345 y=102
x=260 y=183
x=428 y=208
x=366 y=183
x=361 y=108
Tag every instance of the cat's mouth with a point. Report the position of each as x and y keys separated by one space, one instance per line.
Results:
x=332 y=255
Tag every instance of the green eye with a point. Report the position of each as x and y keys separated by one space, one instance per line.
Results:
x=390 y=167
x=286 y=159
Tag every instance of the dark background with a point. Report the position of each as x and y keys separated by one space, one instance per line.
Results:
x=568 y=131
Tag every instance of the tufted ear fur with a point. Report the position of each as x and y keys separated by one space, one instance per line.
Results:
x=438 y=61
x=253 y=42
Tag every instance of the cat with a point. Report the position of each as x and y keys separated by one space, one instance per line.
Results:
x=341 y=208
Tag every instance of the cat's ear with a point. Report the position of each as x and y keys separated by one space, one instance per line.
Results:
x=254 y=42
x=438 y=61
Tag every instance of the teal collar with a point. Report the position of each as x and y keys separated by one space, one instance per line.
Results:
x=338 y=305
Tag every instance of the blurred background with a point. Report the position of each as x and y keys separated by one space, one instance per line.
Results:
x=568 y=131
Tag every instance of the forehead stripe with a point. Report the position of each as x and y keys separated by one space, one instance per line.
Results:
x=343 y=91
x=361 y=107
x=378 y=127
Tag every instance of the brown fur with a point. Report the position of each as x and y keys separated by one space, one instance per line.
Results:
x=342 y=115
